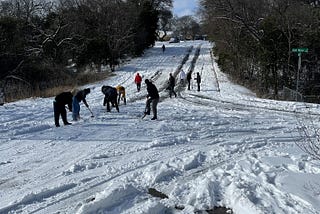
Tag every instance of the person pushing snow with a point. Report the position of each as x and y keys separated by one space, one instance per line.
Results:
x=59 y=107
x=152 y=97
x=121 y=94
x=110 y=96
x=80 y=96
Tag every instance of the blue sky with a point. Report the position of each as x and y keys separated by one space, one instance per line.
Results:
x=184 y=7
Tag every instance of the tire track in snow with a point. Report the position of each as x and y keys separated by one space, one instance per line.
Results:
x=239 y=106
x=92 y=186
x=36 y=197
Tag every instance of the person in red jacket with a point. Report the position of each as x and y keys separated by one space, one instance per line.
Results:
x=138 y=80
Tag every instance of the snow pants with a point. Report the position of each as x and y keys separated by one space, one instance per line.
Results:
x=58 y=110
x=138 y=86
x=154 y=102
x=171 y=91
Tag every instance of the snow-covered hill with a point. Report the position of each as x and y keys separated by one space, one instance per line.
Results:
x=221 y=146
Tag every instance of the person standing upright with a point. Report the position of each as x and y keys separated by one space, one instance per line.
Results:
x=152 y=97
x=189 y=75
x=138 y=80
x=61 y=100
x=172 y=82
x=182 y=76
x=163 y=48
x=80 y=96
x=198 y=79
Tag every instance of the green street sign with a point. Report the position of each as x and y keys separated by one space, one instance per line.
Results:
x=300 y=50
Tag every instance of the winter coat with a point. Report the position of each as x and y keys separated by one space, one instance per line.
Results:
x=81 y=96
x=152 y=90
x=65 y=98
x=182 y=75
x=189 y=76
x=138 y=79
x=198 y=78
x=110 y=96
x=172 y=81
x=109 y=92
x=121 y=90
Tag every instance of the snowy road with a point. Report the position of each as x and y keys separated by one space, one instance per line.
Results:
x=221 y=146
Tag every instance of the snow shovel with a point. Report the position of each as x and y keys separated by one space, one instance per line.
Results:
x=90 y=111
x=145 y=111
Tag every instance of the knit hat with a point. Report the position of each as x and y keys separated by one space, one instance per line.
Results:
x=87 y=90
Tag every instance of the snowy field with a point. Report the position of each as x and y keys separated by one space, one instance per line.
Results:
x=221 y=146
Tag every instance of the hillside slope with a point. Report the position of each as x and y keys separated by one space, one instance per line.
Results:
x=221 y=146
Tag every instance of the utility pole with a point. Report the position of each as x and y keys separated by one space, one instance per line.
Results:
x=299 y=51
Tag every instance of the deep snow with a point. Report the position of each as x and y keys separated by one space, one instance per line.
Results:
x=221 y=146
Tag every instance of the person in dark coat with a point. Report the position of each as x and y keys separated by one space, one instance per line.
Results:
x=110 y=96
x=152 y=97
x=61 y=100
x=198 y=79
x=80 y=96
x=189 y=79
x=172 y=82
x=163 y=48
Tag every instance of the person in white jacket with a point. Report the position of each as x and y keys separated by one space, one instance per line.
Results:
x=182 y=77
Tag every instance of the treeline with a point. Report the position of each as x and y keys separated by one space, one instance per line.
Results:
x=254 y=41
x=39 y=38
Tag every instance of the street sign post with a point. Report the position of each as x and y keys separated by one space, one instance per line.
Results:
x=299 y=51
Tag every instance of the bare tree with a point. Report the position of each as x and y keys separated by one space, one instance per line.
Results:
x=187 y=27
x=310 y=137
x=117 y=29
x=25 y=9
x=165 y=22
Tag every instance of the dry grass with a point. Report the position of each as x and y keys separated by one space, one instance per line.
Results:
x=80 y=80
x=19 y=90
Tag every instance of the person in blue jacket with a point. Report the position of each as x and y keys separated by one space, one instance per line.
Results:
x=80 y=96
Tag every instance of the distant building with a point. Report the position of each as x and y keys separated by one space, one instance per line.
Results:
x=174 y=40
x=167 y=37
